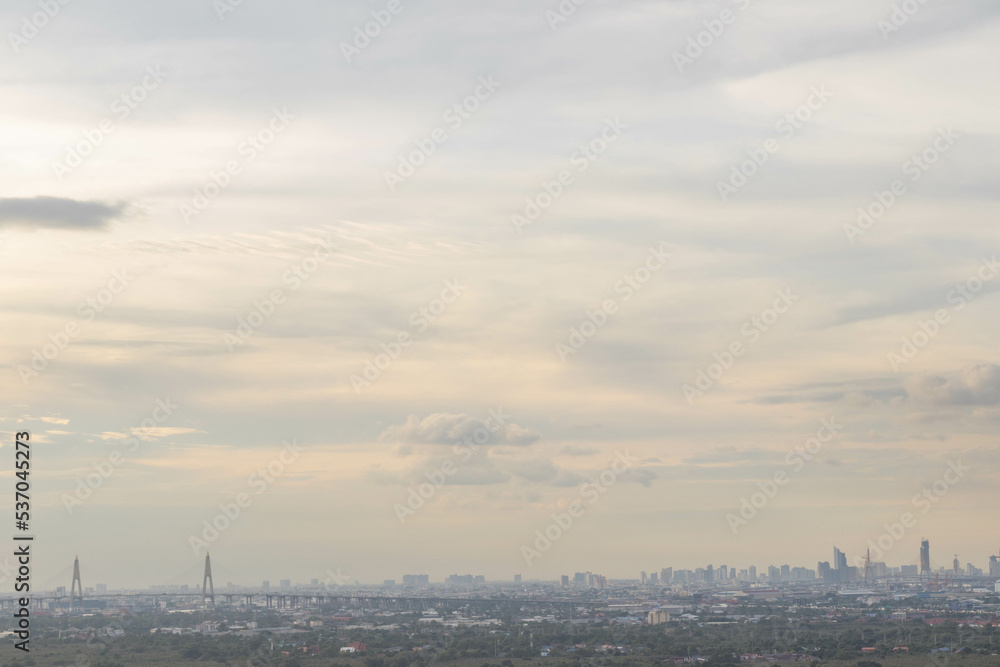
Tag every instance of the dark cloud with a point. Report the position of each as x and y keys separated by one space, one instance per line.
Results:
x=58 y=213
x=449 y=429
x=973 y=385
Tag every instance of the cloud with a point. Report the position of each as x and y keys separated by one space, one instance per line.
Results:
x=973 y=385
x=448 y=429
x=58 y=213
x=578 y=450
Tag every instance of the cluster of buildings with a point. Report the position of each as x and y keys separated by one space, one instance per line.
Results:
x=836 y=572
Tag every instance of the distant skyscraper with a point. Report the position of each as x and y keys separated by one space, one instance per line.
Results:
x=667 y=575
x=565 y=580
x=643 y=578
x=517 y=578
x=753 y=572
x=925 y=558
x=956 y=567
x=994 y=566
x=839 y=559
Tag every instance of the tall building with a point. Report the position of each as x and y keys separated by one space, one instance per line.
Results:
x=994 y=566
x=753 y=573
x=643 y=578
x=654 y=578
x=517 y=578
x=565 y=580
x=667 y=575
x=956 y=567
x=657 y=617
x=925 y=558
x=839 y=559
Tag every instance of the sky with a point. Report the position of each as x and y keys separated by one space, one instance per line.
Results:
x=500 y=287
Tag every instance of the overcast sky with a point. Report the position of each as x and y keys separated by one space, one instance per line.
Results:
x=170 y=169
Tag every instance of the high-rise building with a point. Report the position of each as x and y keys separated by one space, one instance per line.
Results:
x=956 y=567
x=753 y=572
x=839 y=559
x=517 y=578
x=925 y=557
x=657 y=617
x=643 y=578
x=565 y=580
x=994 y=566
x=667 y=575
x=654 y=578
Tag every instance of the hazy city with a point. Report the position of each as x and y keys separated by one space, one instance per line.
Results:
x=505 y=333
